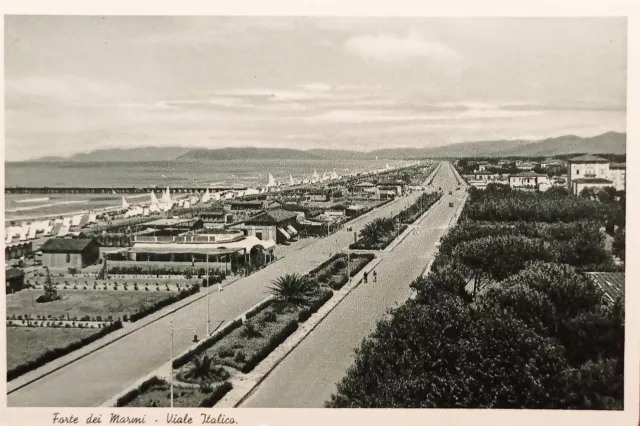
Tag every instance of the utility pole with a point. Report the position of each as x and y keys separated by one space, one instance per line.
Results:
x=208 y=294
x=171 y=330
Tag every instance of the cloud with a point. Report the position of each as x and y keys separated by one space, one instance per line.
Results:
x=61 y=89
x=387 y=47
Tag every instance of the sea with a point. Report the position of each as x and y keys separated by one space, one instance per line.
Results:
x=250 y=173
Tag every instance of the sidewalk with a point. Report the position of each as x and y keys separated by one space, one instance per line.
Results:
x=244 y=384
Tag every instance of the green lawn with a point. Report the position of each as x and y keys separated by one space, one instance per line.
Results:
x=78 y=303
x=26 y=343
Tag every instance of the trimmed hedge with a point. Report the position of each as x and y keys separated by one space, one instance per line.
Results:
x=51 y=354
x=273 y=343
x=363 y=244
x=164 y=302
x=206 y=344
x=216 y=395
x=314 y=306
x=134 y=393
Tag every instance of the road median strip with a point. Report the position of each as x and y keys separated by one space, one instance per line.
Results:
x=245 y=384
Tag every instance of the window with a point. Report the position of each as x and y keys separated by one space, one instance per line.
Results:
x=578 y=171
x=68 y=258
x=259 y=235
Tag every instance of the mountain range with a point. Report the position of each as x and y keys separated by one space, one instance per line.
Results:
x=607 y=143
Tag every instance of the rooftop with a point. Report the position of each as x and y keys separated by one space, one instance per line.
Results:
x=529 y=174
x=272 y=216
x=169 y=222
x=66 y=245
x=618 y=165
x=588 y=159
x=612 y=283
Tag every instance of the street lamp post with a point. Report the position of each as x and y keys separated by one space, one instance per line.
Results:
x=171 y=330
x=208 y=294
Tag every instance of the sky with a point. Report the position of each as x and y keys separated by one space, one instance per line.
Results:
x=76 y=84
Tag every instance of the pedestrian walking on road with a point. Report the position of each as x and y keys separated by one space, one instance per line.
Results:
x=366 y=275
x=375 y=276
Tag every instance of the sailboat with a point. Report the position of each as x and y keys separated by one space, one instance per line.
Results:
x=125 y=205
x=325 y=176
x=315 y=177
x=272 y=181
x=334 y=175
x=206 y=197
x=166 y=197
x=291 y=181
x=154 y=199
x=387 y=167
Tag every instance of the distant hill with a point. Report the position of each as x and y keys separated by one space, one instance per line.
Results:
x=246 y=154
x=607 y=143
x=149 y=153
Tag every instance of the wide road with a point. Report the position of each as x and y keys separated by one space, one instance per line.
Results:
x=92 y=380
x=307 y=377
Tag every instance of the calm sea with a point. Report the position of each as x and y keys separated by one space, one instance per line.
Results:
x=128 y=174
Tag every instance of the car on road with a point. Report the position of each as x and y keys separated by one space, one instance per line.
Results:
x=450 y=192
x=451 y=204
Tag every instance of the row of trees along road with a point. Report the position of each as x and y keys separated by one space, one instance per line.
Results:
x=507 y=318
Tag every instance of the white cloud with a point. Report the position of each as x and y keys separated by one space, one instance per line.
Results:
x=62 y=89
x=387 y=47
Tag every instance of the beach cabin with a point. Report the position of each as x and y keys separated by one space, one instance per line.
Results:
x=70 y=252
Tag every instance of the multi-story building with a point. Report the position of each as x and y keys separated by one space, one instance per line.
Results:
x=591 y=171
x=618 y=175
x=529 y=180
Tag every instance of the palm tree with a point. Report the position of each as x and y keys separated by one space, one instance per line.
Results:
x=293 y=289
x=375 y=230
x=201 y=368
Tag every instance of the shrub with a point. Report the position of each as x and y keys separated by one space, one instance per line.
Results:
x=251 y=330
x=226 y=353
x=240 y=357
x=134 y=393
x=269 y=346
x=207 y=343
x=216 y=395
x=270 y=316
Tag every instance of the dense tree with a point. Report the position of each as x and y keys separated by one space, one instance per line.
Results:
x=496 y=203
x=496 y=258
x=619 y=243
x=440 y=356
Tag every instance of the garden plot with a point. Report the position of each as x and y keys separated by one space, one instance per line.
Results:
x=156 y=393
x=25 y=344
x=80 y=305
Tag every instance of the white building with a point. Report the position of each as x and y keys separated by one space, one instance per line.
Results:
x=618 y=175
x=590 y=171
x=529 y=180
